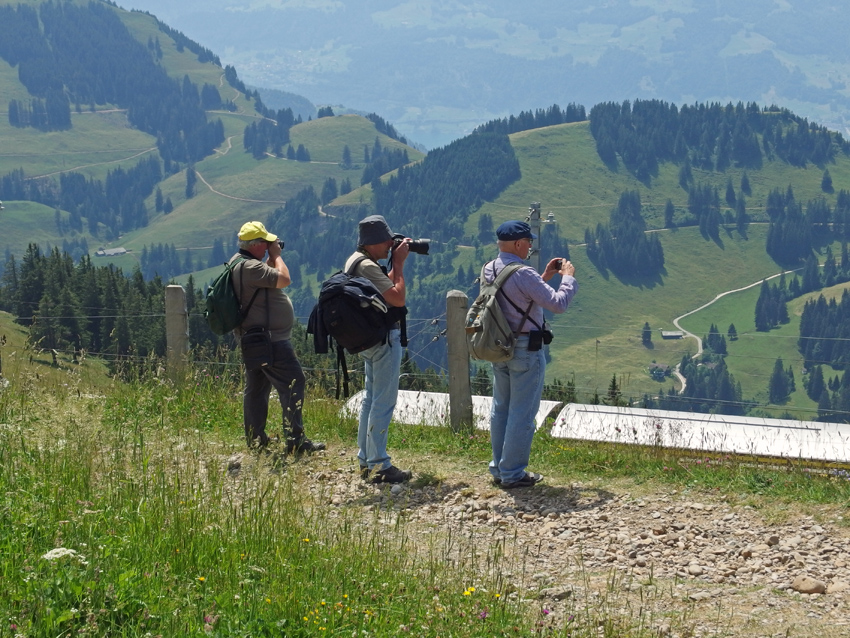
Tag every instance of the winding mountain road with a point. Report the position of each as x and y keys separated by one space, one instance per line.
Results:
x=676 y=370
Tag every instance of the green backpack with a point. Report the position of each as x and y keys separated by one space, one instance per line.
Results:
x=223 y=311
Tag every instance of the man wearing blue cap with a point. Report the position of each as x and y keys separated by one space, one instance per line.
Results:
x=518 y=382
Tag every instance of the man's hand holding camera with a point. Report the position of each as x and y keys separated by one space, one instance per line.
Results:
x=401 y=249
x=275 y=261
x=558 y=266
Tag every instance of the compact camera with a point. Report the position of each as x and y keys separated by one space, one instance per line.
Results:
x=418 y=246
x=280 y=243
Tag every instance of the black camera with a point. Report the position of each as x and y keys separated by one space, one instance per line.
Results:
x=539 y=338
x=559 y=263
x=418 y=246
x=280 y=243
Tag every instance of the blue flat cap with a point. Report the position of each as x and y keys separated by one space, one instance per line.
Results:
x=513 y=230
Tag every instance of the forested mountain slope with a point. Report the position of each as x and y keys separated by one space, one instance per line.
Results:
x=661 y=206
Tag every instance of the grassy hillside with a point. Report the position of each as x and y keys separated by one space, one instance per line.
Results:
x=232 y=187
x=600 y=335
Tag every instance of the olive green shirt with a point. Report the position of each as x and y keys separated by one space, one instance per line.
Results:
x=255 y=274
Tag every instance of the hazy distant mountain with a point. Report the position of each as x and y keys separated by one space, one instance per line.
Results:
x=438 y=69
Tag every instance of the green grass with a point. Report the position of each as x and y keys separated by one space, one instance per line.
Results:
x=131 y=481
x=97 y=143
x=25 y=222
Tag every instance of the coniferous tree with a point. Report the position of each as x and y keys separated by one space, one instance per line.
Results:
x=745 y=185
x=614 y=395
x=669 y=212
x=778 y=389
x=646 y=335
x=730 y=192
x=826 y=182
x=824 y=407
x=191 y=179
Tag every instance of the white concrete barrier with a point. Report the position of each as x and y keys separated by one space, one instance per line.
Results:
x=432 y=408
x=706 y=432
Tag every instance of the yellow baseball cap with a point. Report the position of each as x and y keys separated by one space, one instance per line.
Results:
x=255 y=230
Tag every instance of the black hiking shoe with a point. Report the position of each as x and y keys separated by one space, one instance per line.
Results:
x=529 y=480
x=303 y=446
x=392 y=475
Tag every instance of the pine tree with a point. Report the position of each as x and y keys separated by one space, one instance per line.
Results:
x=191 y=179
x=669 y=212
x=826 y=182
x=614 y=394
x=646 y=335
x=778 y=389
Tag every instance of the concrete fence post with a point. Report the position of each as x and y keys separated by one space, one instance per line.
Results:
x=460 y=390
x=176 y=331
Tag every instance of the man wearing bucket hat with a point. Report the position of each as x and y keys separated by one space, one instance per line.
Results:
x=518 y=382
x=271 y=310
x=382 y=361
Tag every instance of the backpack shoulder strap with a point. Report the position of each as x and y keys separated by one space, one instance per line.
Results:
x=356 y=263
x=500 y=279
x=240 y=260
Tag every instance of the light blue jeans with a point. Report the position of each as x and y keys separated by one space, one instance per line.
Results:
x=383 y=364
x=517 y=388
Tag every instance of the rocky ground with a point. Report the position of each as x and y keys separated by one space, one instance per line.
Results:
x=683 y=563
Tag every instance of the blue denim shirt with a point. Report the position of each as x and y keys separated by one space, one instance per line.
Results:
x=526 y=285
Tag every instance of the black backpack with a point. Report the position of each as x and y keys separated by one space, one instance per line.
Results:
x=223 y=311
x=351 y=312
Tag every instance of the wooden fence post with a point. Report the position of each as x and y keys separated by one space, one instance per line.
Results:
x=176 y=331
x=460 y=390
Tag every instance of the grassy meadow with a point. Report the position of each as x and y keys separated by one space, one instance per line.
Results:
x=128 y=509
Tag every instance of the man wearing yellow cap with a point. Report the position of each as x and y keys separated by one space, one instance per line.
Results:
x=271 y=310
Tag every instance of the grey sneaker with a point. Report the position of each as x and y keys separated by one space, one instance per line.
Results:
x=392 y=475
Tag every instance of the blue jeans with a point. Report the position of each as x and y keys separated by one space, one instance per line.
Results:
x=383 y=364
x=517 y=388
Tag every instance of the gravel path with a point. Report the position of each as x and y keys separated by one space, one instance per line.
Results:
x=688 y=564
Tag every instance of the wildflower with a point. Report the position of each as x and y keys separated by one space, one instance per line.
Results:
x=497 y=595
x=467 y=593
x=546 y=612
x=201 y=579
x=483 y=614
x=268 y=601
x=64 y=552
x=306 y=540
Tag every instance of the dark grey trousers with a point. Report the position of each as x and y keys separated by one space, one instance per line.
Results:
x=287 y=377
